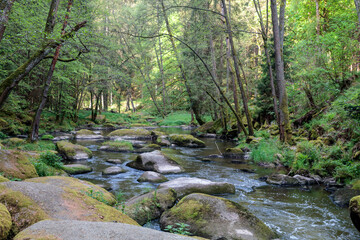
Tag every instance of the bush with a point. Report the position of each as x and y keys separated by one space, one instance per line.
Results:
x=47 y=137
x=43 y=170
x=51 y=159
x=3 y=135
x=265 y=151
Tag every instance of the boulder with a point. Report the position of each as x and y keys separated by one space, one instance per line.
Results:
x=130 y=134
x=163 y=141
x=117 y=146
x=151 y=176
x=3 y=179
x=72 y=151
x=5 y=222
x=85 y=230
x=185 y=185
x=155 y=161
x=186 y=140
x=113 y=171
x=283 y=180
x=62 y=138
x=16 y=164
x=342 y=196
x=149 y=206
x=85 y=134
x=115 y=161
x=305 y=180
x=354 y=207
x=216 y=218
x=76 y=168
x=236 y=153
x=60 y=198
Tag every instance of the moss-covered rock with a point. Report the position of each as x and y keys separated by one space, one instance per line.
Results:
x=47 y=137
x=184 y=186
x=76 y=168
x=87 y=134
x=117 y=146
x=186 y=140
x=216 y=218
x=3 y=179
x=13 y=142
x=72 y=151
x=16 y=164
x=234 y=153
x=5 y=222
x=136 y=134
x=155 y=161
x=23 y=210
x=65 y=198
x=354 y=207
x=282 y=180
x=150 y=206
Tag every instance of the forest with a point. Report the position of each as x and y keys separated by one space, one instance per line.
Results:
x=150 y=107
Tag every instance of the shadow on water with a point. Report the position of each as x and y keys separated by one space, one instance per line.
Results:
x=293 y=212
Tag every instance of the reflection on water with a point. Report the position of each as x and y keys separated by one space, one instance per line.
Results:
x=292 y=212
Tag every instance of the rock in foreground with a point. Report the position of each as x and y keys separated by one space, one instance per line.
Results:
x=5 y=222
x=83 y=230
x=151 y=176
x=184 y=186
x=16 y=164
x=186 y=140
x=216 y=218
x=155 y=161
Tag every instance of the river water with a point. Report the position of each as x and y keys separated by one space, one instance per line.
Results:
x=294 y=213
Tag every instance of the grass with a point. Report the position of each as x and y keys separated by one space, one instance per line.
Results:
x=119 y=144
x=48 y=164
x=178 y=118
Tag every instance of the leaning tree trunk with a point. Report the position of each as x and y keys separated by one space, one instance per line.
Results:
x=194 y=105
x=5 y=9
x=285 y=127
x=237 y=71
x=34 y=134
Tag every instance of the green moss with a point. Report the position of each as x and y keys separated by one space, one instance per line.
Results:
x=47 y=137
x=234 y=150
x=13 y=142
x=190 y=211
x=20 y=205
x=16 y=164
x=154 y=146
x=3 y=179
x=186 y=140
x=77 y=169
x=130 y=132
x=38 y=236
x=85 y=132
x=5 y=222
x=356 y=184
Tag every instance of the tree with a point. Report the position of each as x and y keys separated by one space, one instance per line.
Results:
x=5 y=9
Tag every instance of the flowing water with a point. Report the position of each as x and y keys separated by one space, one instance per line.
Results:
x=294 y=213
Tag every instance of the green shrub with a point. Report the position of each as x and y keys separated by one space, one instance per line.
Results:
x=47 y=137
x=264 y=151
x=3 y=135
x=38 y=146
x=51 y=159
x=98 y=195
x=42 y=169
x=302 y=162
x=263 y=133
x=179 y=228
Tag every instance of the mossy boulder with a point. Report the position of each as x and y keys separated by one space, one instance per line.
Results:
x=151 y=176
x=354 y=208
x=185 y=185
x=163 y=141
x=86 y=230
x=150 y=206
x=47 y=137
x=72 y=151
x=13 y=142
x=67 y=198
x=216 y=218
x=16 y=164
x=3 y=179
x=186 y=140
x=85 y=134
x=155 y=161
x=76 y=168
x=282 y=180
x=24 y=211
x=342 y=196
x=234 y=153
x=130 y=134
x=5 y=222
x=117 y=146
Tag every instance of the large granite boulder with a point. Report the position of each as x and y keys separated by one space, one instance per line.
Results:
x=186 y=140
x=16 y=164
x=130 y=134
x=85 y=230
x=85 y=134
x=5 y=222
x=151 y=176
x=216 y=218
x=185 y=185
x=155 y=161
x=61 y=198
x=150 y=206
x=73 y=151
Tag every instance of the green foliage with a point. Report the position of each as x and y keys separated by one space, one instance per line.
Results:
x=120 y=201
x=38 y=146
x=98 y=195
x=51 y=159
x=179 y=228
x=47 y=137
x=176 y=119
x=263 y=133
x=42 y=169
x=264 y=151
x=3 y=135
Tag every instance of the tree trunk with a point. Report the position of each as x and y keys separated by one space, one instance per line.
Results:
x=282 y=24
x=34 y=134
x=5 y=9
x=237 y=71
x=194 y=105
x=285 y=129
x=357 y=4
